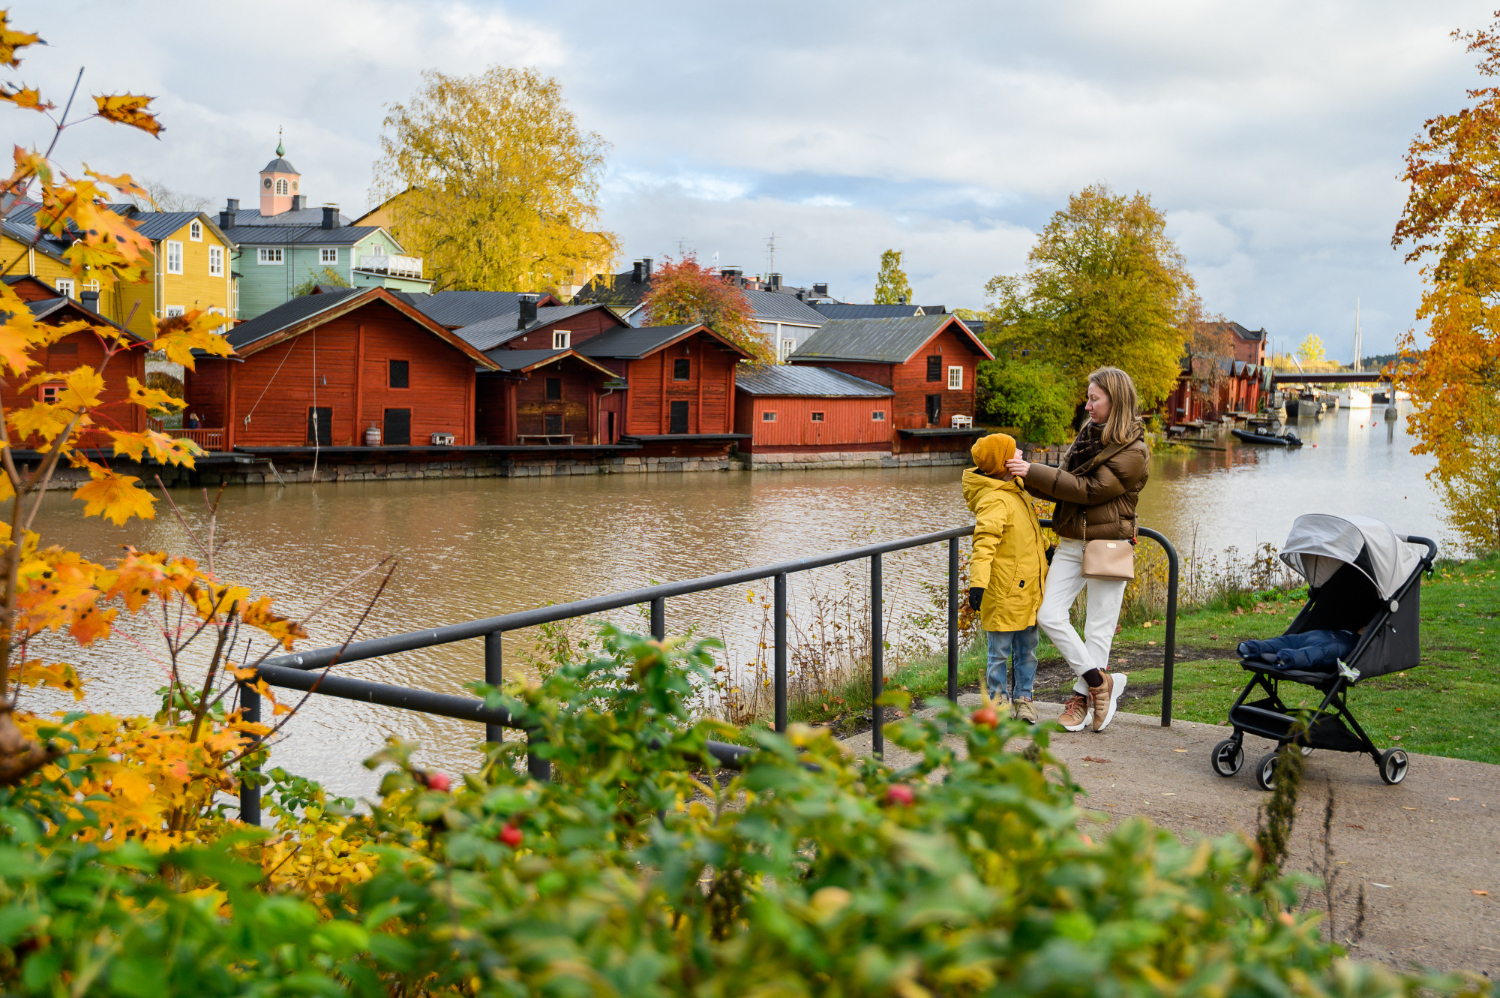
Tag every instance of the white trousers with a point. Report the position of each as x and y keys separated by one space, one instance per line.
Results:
x=1064 y=582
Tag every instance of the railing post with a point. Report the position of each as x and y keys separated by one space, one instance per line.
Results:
x=249 y=791
x=779 y=655
x=659 y=618
x=877 y=659
x=1171 y=642
x=494 y=675
x=953 y=619
x=539 y=768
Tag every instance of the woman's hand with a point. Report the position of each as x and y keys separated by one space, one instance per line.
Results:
x=1018 y=466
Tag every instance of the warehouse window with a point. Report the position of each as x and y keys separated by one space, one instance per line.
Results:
x=562 y=339
x=955 y=377
x=554 y=389
x=878 y=415
x=817 y=417
x=768 y=417
x=935 y=368
x=682 y=370
x=400 y=374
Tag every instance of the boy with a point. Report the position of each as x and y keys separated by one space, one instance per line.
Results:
x=1006 y=571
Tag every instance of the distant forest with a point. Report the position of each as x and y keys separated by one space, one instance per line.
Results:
x=1382 y=359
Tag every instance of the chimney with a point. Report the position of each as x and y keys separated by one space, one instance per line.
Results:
x=802 y=294
x=528 y=311
x=226 y=217
x=635 y=277
x=775 y=282
x=820 y=290
x=299 y=201
x=90 y=301
x=232 y=204
x=732 y=275
x=900 y=299
x=646 y=269
x=330 y=216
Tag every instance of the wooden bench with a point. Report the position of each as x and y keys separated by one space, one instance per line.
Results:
x=551 y=439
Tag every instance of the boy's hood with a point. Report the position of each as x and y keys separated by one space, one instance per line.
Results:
x=981 y=489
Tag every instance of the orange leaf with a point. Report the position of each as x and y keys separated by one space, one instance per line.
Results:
x=14 y=348
x=129 y=109
x=116 y=497
x=180 y=335
x=25 y=97
x=124 y=183
x=11 y=40
x=159 y=446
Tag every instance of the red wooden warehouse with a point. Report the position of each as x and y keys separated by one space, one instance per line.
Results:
x=786 y=409
x=928 y=362
x=114 y=411
x=324 y=369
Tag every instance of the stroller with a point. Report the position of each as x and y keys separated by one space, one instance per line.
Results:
x=1360 y=573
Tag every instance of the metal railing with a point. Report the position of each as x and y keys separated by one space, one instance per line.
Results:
x=295 y=671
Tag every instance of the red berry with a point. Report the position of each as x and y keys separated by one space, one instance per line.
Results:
x=985 y=717
x=900 y=793
x=510 y=835
x=438 y=781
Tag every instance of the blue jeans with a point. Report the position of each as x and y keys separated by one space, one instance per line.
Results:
x=1020 y=648
x=1310 y=650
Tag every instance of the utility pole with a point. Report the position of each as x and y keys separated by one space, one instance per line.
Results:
x=771 y=254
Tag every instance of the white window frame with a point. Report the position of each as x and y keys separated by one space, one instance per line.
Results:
x=64 y=287
x=172 y=311
x=90 y=286
x=195 y=231
x=216 y=261
x=768 y=416
x=788 y=347
x=174 y=249
x=269 y=256
x=955 y=378
x=281 y=187
x=562 y=339
x=878 y=416
x=218 y=311
x=328 y=254
x=48 y=393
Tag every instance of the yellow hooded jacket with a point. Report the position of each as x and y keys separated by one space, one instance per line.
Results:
x=1008 y=562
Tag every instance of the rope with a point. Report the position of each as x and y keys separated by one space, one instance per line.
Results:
x=269 y=384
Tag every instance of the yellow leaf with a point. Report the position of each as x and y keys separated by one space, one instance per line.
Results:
x=11 y=40
x=124 y=183
x=83 y=387
x=45 y=421
x=116 y=497
x=283 y=629
x=159 y=446
x=153 y=399
x=25 y=97
x=129 y=109
x=178 y=336
x=14 y=348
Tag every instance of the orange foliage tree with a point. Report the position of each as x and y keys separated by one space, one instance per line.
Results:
x=1451 y=224
x=685 y=293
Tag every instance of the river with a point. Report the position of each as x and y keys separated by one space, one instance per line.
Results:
x=475 y=548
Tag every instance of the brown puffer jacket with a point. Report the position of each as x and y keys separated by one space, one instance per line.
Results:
x=1096 y=500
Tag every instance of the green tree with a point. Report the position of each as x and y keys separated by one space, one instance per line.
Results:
x=491 y=180
x=1032 y=397
x=891 y=285
x=1103 y=285
x=327 y=277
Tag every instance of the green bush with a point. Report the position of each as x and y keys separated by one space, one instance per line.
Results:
x=1029 y=395
x=644 y=870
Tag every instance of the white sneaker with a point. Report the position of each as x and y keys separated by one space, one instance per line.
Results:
x=1106 y=697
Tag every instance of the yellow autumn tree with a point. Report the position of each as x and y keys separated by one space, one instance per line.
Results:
x=491 y=181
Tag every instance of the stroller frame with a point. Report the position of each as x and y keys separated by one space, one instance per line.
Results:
x=1331 y=725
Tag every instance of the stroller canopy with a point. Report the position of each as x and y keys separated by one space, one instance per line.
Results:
x=1321 y=544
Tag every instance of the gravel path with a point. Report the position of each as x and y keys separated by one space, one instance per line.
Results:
x=1421 y=850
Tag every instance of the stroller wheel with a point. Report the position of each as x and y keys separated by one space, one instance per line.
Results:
x=1265 y=771
x=1228 y=757
x=1393 y=765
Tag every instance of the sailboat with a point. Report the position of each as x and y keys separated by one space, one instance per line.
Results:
x=1351 y=397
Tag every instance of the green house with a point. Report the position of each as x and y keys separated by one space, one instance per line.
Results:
x=285 y=244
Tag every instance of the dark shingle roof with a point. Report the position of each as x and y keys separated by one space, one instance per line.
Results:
x=614 y=289
x=464 y=308
x=280 y=235
x=774 y=306
x=519 y=360
x=1251 y=335
x=833 y=310
x=881 y=341
x=631 y=343
x=302 y=216
x=280 y=165
x=490 y=333
x=288 y=313
x=815 y=382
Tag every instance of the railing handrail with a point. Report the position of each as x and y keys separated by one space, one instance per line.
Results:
x=448 y=633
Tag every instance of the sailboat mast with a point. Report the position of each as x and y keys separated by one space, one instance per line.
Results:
x=1358 y=346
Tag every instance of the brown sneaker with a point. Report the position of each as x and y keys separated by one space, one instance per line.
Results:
x=1024 y=711
x=1075 y=712
x=1104 y=697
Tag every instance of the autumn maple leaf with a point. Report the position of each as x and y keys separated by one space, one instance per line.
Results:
x=10 y=40
x=179 y=335
x=129 y=109
x=158 y=446
x=116 y=497
x=153 y=399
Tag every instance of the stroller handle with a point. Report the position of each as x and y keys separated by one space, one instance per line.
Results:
x=1432 y=549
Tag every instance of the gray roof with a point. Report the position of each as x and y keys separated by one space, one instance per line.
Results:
x=289 y=313
x=881 y=341
x=156 y=225
x=518 y=360
x=490 y=333
x=280 y=165
x=835 y=310
x=774 y=305
x=25 y=233
x=464 y=308
x=630 y=342
x=302 y=216
x=815 y=382
x=281 y=235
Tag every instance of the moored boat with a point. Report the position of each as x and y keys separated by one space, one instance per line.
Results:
x=1288 y=439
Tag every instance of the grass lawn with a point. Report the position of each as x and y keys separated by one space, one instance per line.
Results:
x=1444 y=707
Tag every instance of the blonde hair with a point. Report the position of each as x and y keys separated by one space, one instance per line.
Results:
x=1124 y=419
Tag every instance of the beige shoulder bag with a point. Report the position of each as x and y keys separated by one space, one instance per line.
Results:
x=1109 y=560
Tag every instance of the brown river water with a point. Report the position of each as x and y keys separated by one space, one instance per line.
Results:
x=475 y=548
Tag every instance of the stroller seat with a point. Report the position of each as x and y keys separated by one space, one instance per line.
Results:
x=1361 y=577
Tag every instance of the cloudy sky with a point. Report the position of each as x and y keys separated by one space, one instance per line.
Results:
x=1271 y=133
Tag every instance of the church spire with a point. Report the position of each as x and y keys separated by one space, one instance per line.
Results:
x=280 y=149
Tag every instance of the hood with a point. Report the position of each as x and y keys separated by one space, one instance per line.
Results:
x=979 y=490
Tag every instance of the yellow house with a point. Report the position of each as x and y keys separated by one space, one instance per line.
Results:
x=45 y=262
x=189 y=270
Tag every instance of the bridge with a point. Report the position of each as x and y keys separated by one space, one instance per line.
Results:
x=1324 y=377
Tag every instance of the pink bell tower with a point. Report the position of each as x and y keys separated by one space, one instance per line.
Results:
x=279 y=183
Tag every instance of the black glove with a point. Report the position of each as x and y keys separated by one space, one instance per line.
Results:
x=976 y=596
x=1051 y=550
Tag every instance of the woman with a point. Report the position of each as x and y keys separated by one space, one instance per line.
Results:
x=1095 y=491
